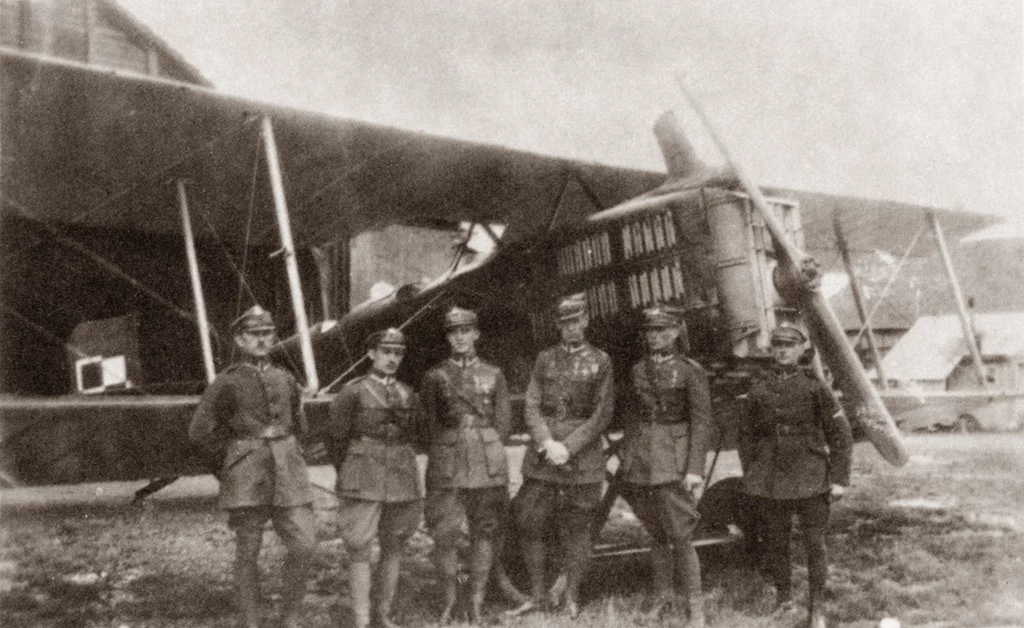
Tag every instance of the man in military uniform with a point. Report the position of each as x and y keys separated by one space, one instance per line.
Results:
x=568 y=407
x=795 y=448
x=467 y=411
x=248 y=423
x=371 y=437
x=663 y=453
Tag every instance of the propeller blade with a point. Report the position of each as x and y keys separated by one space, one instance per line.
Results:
x=798 y=278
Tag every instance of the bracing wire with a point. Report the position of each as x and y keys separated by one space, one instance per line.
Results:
x=248 y=232
x=107 y=265
x=416 y=315
x=888 y=286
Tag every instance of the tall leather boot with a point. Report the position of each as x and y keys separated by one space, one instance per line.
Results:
x=483 y=557
x=387 y=585
x=247 y=551
x=576 y=556
x=662 y=568
x=533 y=556
x=296 y=568
x=689 y=566
x=447 y=564
x=359 y=593
x=817 y=574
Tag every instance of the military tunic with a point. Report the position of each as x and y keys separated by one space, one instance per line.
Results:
x=371 y=438
x=794 y=445
x=468 y=414
x=668 y=437
x=663 y=442
x=796 y=441
x=569 y=399
x=248 y=422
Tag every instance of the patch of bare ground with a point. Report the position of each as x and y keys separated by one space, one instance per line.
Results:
x=939 y=542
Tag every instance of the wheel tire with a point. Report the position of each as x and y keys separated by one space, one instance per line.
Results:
x=725 y=503
x=968 y=423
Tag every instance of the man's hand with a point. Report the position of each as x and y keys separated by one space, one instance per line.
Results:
x=836 y=492
x=556 y=452
x=694 y=485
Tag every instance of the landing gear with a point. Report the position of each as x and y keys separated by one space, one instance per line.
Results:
x=968 y=423
x=727 y=515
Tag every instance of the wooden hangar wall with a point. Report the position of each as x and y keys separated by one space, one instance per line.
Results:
x=96 y=32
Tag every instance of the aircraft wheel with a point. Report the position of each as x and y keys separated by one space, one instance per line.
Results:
x=724 y=506
x=968 y=423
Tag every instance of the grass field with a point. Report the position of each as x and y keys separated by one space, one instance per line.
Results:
x=939 y=542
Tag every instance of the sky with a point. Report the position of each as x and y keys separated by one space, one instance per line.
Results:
x=920 y=101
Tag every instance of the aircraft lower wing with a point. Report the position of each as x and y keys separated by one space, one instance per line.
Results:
x=72 y=439
x=940 y=407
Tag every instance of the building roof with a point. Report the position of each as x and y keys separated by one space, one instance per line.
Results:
x=99 y=33
x=130 y=22
x=934 y=345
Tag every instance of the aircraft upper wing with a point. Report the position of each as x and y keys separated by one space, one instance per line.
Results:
x=93 y=147
x=98 y=148
x=870 y=224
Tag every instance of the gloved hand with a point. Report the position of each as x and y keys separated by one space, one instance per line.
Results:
x=555 y=452
x=836 y=492
x=694 y=485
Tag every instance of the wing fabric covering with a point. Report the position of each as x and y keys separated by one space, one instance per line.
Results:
x=95 y=148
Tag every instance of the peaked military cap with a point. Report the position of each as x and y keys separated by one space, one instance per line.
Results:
x=253 y=319
x=572 y=307
x=661 y=317
x=458 y=317
x=390 y=337
x=787 y=332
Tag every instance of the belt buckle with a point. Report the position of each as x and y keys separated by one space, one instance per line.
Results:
x=784 y=429
x=271 y=432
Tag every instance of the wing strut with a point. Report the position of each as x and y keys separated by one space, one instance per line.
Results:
x=288 y=248
x=197 y=286
x=947 y=263
x=858 y=298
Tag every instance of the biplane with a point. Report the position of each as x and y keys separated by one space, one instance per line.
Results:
x=140 y=215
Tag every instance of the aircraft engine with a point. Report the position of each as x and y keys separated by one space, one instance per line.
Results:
x=797 y=279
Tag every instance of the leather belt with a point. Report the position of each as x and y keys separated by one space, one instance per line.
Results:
x=388 y=434
x=659 y=421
